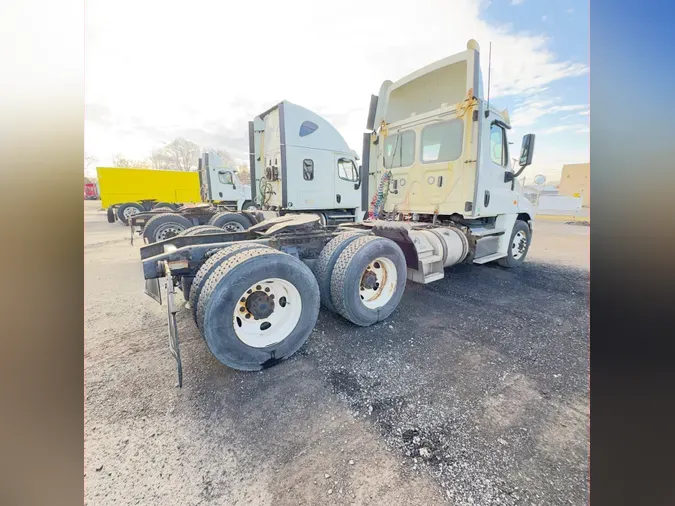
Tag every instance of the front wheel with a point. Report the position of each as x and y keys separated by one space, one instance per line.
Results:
x=519 y=245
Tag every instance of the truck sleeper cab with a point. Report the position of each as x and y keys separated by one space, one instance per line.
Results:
x=300 y=163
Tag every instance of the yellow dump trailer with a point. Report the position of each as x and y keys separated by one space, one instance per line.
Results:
x=119 y=186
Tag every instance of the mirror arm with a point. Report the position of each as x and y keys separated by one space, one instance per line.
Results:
x=522 y=168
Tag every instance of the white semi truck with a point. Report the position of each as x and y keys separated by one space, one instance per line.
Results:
x=299 y=164
x=439 y=191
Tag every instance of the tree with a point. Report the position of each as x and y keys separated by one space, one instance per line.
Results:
x=244 y=173
x=160 y=159
x=89 y=162
x=122 y=162
x=226 y=157
x=184 y=154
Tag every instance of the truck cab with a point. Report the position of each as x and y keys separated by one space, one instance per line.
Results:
x=221 y=185
x=300 y=163
x=437 y=150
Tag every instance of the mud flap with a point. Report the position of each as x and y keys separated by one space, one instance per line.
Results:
x=173 y=328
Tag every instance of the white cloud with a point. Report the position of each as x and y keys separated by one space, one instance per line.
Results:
x=563 y=128
x=517 y=2
x=585 y=113
x=156 y=70
x=532 y=109
x=570 y=11
x=544 y=18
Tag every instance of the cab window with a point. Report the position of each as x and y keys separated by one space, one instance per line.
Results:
x=347 y=170
x=442 y=142
x=225 y=177
x=308 y=169
x=399 y=150
x=498 y=145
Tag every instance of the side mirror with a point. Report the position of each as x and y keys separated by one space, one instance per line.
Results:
x=526 y=150
x=358 y=185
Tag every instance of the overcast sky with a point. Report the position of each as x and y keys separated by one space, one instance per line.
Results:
x=156 y=70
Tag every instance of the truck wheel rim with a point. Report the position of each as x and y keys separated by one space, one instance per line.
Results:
x=518 y=245
x=167 y=230
x=233 y=226
x=129 y=211
x=378 y=283
x=267 y=313
x=252 y=207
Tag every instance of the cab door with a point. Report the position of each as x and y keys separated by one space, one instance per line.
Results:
x=497 y=196
x=347 y=182
x=221 y=181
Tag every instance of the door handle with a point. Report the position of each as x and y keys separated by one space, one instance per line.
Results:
x=338 y=198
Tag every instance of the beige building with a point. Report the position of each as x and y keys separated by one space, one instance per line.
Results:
x=575 y=181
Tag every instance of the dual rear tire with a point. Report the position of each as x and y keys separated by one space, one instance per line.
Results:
x=254 y=305
x=361 y=277
x=126 y=211
x=230 y=222
x=165 y=226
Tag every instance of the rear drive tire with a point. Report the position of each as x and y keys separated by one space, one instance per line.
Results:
x=210 y=265
x=111 y=215
x=125 y=211
x=201 y=230
x=323 y=268
x=162 y=205
x=165 y=209
x=164 y=226
x=519 y=245
x=230 y=222
x=248 y=205
x=368 y=280
x=277 y=292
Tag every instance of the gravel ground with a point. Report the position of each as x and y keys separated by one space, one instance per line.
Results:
x=475 y=391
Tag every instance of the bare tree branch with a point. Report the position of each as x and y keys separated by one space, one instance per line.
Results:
x=244 y=173
x=184 y=154
x=120 y=161
x=160 y=159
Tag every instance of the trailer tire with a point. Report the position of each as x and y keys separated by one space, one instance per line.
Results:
x=125 y=211
x=111 y=215
x=210 y=265
x=323 y=269
x=280 y=292
x=201 y=230
x=368 y=280
x=164 y=226
x=248 y=205
x=519 y=245
x=230 y=222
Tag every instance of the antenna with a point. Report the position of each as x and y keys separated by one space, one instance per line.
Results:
x=487 y=113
